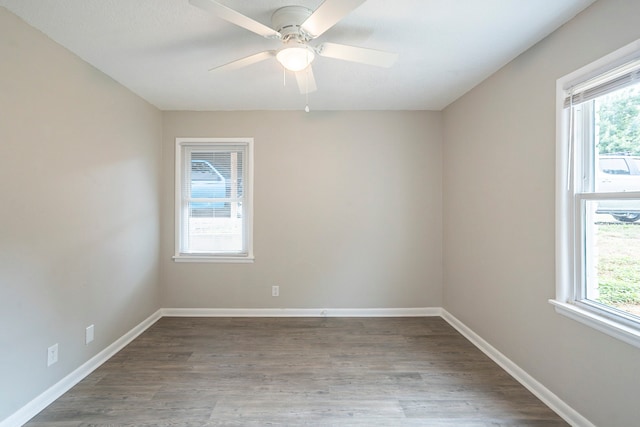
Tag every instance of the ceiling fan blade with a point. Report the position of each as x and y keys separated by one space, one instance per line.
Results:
x=306 y=81
x=327 y=15
x=236 y=18
x=378 y=58
x=246 y=61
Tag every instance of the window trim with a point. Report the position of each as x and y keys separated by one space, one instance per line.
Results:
x=569 y=246
x=247 y=210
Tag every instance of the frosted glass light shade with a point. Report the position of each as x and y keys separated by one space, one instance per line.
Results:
x=296 y=58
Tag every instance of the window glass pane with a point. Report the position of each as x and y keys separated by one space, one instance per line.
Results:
x=617 y=140
x=612 y=251
x=212 y=230
x=618 y=122
x=212 y=218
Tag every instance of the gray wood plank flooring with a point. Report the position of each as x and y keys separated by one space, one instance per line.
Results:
x=298 y=371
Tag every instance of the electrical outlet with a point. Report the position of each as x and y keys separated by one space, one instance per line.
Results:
x=275 y=291
x=88 y=336
x=52 y=354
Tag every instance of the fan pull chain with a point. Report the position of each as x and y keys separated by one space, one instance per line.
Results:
x=306 y=108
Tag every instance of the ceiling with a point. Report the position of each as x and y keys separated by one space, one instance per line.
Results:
x=162 y=49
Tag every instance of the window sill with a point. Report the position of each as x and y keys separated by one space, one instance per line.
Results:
x=603 y=324
x=212 y=258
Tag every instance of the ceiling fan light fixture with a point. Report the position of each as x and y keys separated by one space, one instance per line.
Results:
x=295 y=58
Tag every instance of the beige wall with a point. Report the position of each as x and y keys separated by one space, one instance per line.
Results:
x=499 y=168
x=79 y=172
x=347 y=212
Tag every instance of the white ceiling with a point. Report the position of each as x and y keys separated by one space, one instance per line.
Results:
x=162 y=49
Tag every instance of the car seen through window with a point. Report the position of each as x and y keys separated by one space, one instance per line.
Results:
x=206 y=183
x=618 y=173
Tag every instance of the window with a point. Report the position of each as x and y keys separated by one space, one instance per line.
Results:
x=598 y=195
x=213 y=199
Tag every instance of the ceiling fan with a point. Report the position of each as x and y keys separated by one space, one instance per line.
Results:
x=295 y=27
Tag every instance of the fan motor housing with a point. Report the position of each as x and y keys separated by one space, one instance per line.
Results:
x=287 y=21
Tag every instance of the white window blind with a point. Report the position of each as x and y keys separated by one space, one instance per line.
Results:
x=617 y=78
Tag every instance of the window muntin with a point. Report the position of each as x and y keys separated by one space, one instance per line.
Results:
x=599 y=195
x=213 y=204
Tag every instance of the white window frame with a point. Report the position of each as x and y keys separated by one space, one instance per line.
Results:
x=213 y=143
x=570 y=300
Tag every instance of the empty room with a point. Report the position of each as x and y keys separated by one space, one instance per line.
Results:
x=324 y=213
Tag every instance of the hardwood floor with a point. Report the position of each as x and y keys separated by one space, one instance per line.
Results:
x=298 y=371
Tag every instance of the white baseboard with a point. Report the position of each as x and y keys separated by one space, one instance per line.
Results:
x=302 y=312
x=32 y=408
x=565 y=411
x=545 y=395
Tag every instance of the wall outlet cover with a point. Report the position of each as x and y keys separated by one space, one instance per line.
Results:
x=52 y=354
x=88 y=334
